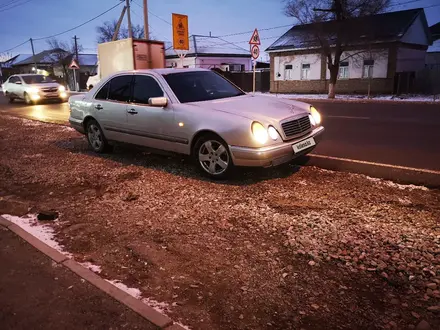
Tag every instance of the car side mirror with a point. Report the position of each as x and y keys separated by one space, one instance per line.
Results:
x=18 y=82
x=160 y=102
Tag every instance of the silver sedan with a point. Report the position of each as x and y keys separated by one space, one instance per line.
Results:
x=195 y=112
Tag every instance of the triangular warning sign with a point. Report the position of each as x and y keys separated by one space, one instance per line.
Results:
x=255 y=39
x=73 y=65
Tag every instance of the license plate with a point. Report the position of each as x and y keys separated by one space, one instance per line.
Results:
x=305 y=144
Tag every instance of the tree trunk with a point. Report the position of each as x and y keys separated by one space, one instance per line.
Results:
x=333 y=78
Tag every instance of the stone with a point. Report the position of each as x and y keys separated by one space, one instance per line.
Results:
x=47 y=215
x=423 y=325
x=241 y=317
x=434 y=308
x=395 y=301
x=431 y=286
x=417 y=316
x=312 y=263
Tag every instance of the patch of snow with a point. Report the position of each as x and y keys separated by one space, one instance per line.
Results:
x=67 y=129
x=161 y=307
x=28 y=122
x=43 y=232
x=396 y=185
x=414 y=98
x=136 y=293
x=92 y=267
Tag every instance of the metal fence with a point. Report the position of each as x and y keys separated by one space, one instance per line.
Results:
x=426 y=81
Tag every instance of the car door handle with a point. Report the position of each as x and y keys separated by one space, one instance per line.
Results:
x=132 y=112
x=98 y=107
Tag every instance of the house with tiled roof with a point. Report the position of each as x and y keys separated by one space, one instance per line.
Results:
x=378 y=50
x=211 y=53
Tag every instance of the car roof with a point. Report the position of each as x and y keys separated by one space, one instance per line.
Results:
x=165 y=71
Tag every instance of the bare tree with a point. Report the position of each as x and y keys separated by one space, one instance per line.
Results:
x=61 y=54
x=334 y=42
x=107 y=30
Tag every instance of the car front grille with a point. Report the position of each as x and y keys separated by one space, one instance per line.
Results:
x=49 y=89
x=296 y=127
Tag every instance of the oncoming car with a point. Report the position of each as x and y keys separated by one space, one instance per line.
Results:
x=195 y=112
x=33 y=88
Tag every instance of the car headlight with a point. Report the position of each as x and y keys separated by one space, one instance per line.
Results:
x=259 y=132
x=61 y=89
x=34 y=90
x=315 y=115
x=273 y=133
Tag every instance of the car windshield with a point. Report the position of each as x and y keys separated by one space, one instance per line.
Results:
x=195 y=86
x=36 y=79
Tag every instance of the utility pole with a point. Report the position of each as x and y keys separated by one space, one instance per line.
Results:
x=118 y=25
x=77 y=61
x=33 y=54
x=146 y=29
x=130 y=31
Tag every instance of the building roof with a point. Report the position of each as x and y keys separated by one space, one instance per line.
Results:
x=17 y=58
x=207 y=45
x=435 y=31
x=88 y=59
x=435 y=47
x=44 y=57
x=386 y=27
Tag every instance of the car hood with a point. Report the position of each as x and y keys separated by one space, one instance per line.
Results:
x=45 y=85
x=257 y=107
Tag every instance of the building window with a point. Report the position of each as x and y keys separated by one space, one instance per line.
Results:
x=343 y=70
x=367 y=72
x=288 y=72
x=305 y=72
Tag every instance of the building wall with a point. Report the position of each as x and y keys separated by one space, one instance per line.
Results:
x=281 y=82
x=216 y=62
x=189 y=62
x=409 y=59
x=210 y=62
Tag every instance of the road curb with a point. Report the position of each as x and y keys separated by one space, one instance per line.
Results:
x=147 y=312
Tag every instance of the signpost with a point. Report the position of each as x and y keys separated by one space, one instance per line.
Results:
x=74 y=66
x=254 y=43
x=180 y=36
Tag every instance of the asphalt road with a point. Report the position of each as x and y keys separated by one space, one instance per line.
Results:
x=391 y=140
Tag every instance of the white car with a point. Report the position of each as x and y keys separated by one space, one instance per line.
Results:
x=32 y=88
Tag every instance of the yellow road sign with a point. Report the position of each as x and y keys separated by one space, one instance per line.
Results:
x=180 y=32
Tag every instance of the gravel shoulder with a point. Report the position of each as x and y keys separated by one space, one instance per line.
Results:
x=285 y=248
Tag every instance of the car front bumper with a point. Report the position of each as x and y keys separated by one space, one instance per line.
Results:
x=273 y=155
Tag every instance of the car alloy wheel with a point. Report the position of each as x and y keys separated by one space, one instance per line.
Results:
x=214 y=157
x=95 y=137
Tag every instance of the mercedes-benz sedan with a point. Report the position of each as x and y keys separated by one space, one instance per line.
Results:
x=195 y=112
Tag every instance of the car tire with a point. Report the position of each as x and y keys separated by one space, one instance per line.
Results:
x=27 y=99
x=96 y=138
x=213 y=157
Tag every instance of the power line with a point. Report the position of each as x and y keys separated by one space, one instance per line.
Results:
x=78 y=26
x=250 y=32
x=162 y=19
x=3 y=5
x=16 y=5
x=8 y=50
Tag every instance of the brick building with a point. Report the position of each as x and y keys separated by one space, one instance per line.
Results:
x=378 y=50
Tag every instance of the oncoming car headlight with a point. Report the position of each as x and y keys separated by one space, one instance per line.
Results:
x=259 y=132
x=315 y=116
x=34 y=90
x=61 y=89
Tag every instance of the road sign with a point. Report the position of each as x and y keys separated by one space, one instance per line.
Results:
x=180 y=32
x=255 y=50
x=255 y=39
x=73 y=65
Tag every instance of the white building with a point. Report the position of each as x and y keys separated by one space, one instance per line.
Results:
x=211 y=52
x=382 y=51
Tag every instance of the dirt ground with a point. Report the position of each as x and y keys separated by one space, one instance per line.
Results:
x=285 y=248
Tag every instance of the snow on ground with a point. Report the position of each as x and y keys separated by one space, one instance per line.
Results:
x=414 y=98
x=397 y=185
x=92 y=267
x=45 y=233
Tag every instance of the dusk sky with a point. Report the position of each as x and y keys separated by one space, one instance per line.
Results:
x=41 y=18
